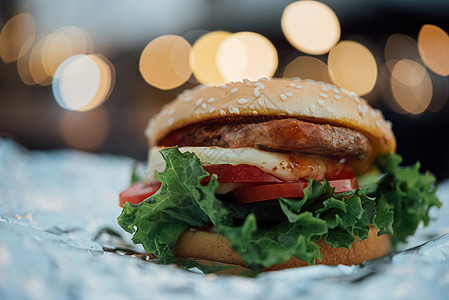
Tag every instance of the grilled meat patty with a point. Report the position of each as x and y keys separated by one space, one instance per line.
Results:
x=281 y=135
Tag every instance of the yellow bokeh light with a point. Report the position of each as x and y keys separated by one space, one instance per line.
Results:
x=164 y=63
x=246 y=55
x=23 y=67
x=62 y=44
x=203 y=58
x=16 y=37
x=85 y=131
x=307 y=67
x=433 y=46
x=400 y=46
x=310 y=26
x=107 y=81
x=408 y=72
x=83 y=82
x=411 y=86
x=36 y=64
x=353 y=67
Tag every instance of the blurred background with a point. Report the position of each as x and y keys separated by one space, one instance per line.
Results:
x=88 y=75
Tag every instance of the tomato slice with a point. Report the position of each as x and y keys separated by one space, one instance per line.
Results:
x=138 y=192
x=256 y=193
x=239 y=174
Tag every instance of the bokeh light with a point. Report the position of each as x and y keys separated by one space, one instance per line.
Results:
x=164 y=63
x=310 y=26
x=353 y=67
x=23 y=67
x=62 y=44
x=84 y=131
x=36 y=63
x=16 y=37
x=433 y=46
x=400 y=46
x=307 y=67
x=83 y=82
x=246 y=55
x=203 y=58
x=411 y=86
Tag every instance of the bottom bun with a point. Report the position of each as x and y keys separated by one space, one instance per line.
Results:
x=215 y=247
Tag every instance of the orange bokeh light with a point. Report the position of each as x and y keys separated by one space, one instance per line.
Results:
x=164 y=63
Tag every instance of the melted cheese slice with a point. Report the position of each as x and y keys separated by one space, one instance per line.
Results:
x=286 y=166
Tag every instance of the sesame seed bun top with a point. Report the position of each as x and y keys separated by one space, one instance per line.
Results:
x=305 y=100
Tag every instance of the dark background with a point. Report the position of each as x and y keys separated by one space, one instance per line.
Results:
x=31 y=116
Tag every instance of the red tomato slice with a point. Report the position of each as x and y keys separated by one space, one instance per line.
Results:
x=256 y=193
x=239 y=174
x=138 y=192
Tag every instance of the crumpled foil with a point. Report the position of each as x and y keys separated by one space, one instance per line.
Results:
x=58 y=212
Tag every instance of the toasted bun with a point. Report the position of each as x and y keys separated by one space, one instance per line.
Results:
x=215 y=247
x=306 y=100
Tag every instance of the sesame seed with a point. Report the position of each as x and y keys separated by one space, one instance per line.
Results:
x=324 y=95
x=377 y=123
x=212 y=109
x=336 y=91
x=258 y=83
x=359 y=108
x=210 y=100
x=289 y=94
x=255 y=112
x=373 y=113
x=224 y=86
x=204 y=105
x=299 y=86
x=364 y=110
x=222 y=112
x=263 y=78
x=261 y=101
x=312 y=107
x=338 y=97
x=242 y=101
x=330 y=109
x=163 y=112
x=292 y=84
x=321 y=102
x=283 y=97
x=257 y=91
x=234 y=90
x=198 y=102
x=171 y=111
x=248 y=83
x=233 y=110
x=325 y=89
x=187 y=99
x=170 y=121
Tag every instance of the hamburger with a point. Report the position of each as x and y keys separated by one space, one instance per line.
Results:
x=274 y=174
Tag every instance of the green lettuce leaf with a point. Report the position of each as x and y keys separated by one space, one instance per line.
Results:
x=404 y=197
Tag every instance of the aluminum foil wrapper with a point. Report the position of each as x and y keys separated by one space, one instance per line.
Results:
x=58 y=240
